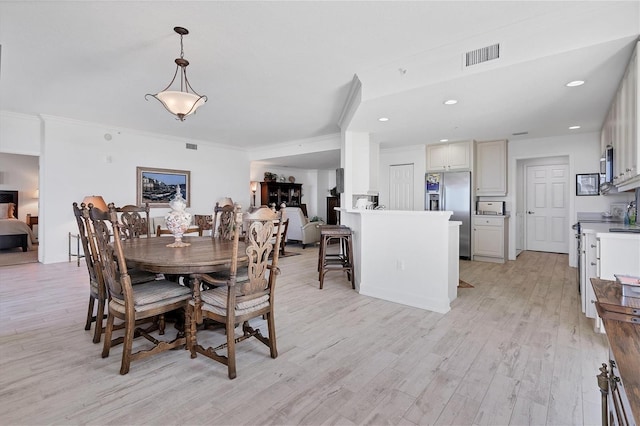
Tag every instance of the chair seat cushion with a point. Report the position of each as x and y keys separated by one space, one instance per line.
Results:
x=155 y=293
x=215 y=300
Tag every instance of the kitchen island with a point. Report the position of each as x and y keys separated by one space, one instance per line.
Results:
x=407 y=257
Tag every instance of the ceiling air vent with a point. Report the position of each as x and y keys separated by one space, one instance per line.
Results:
x=484 y=54
x=192 y=146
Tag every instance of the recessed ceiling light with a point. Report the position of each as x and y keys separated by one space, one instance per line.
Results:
x=575 y=83
x=383 y=119
x=574 y=127
x=450 y=102
x=444 y=140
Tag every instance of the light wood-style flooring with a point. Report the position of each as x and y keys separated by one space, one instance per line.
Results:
x=515 y=349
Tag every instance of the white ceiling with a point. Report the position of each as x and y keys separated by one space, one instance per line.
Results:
x=280 y=71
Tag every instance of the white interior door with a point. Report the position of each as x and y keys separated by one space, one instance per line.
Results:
x=547 y=208
x=401 y=187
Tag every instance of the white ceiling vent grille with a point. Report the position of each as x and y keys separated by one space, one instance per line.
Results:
x=192 y=146
x=484 y=54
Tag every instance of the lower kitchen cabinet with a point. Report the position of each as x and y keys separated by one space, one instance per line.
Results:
x=490 y=237
x=603 y=255
x=589 y=269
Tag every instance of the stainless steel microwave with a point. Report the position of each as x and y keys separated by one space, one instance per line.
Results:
x=606 y=166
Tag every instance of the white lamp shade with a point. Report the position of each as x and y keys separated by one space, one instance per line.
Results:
x=180 y=102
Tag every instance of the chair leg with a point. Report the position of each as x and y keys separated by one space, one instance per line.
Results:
x=87 y=326
x=97 y=333
x=231 y=348
x=351 y=263
x=271 y=325
x=107 y=336
x=190 y=329
x=127 y=346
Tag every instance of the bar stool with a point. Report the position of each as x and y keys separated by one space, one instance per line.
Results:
x=341 y=261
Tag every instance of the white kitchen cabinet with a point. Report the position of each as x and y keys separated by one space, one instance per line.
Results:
x=604 y=254
x=620 y=128
x=490 y=236
x=619 y=253
x=490 y=170
x=449 y=156
x=589 y=265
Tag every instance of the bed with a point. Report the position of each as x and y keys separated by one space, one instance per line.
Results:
x=13 y=232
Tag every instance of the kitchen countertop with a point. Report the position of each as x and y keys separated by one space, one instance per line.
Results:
x=606 y=227
x=596 y=217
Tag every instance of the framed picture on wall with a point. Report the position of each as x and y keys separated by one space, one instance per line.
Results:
x=158 y=186
x=588 y=184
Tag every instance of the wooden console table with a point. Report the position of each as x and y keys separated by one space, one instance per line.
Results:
x=619 y=379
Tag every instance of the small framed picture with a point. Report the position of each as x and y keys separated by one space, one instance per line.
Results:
x=588 y=184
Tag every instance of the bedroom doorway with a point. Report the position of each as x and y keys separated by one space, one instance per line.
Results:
x=21 y=173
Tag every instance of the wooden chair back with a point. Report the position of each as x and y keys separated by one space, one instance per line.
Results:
x=114 y=268
x=90 y=254
x=263 y=236
x=134 y=221
x=223 y=220
x=204 y=221
x=97 y=291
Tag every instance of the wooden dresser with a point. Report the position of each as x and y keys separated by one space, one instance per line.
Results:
x=619 y=379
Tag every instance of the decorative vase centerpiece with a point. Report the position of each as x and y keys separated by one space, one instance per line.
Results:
x=178 y=219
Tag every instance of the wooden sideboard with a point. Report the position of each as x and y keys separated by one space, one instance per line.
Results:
x=281 y=192
x=619 y=379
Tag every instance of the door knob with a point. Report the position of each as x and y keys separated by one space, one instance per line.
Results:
x=530 y=212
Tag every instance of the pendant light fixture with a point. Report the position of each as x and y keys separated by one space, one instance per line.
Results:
x=185 y=101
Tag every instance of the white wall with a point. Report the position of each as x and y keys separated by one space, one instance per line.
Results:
x=20 y=133
x=20 y=172
x=77 y=160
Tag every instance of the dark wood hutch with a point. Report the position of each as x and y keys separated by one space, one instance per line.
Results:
x=281 y=192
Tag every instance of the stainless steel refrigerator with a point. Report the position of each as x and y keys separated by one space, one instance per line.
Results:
x=451 y=191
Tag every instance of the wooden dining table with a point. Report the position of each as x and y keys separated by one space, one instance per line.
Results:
x=204 y=254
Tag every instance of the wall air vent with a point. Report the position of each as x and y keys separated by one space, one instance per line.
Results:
x=192 y=146
x=484 y=54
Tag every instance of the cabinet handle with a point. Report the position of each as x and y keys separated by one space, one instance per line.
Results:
x=593 y=246
x=530 y=212
x=592 y=264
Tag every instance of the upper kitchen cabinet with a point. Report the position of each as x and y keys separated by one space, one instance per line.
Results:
x=490 y=170
x=620 y=129
x=449 y=156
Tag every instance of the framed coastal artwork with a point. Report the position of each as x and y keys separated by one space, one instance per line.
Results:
x=158 y=186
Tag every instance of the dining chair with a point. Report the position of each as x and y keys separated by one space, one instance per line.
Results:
x=131 y=303
x=204 y=222
x=236 y=301
x=223 y=217
x=133 y=224
x=97 y=291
